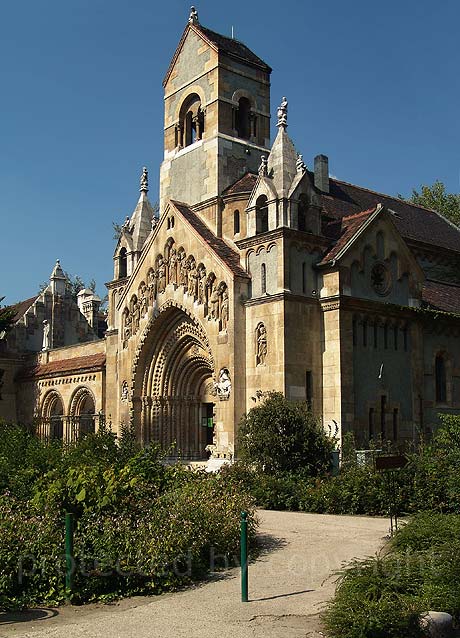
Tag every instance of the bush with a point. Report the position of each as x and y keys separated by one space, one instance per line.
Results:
x=141 y=526
x=280 y=436
x=418 y=571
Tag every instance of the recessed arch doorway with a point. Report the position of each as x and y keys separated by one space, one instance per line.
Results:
x=173 y=385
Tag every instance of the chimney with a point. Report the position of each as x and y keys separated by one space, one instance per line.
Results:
x=322 y=173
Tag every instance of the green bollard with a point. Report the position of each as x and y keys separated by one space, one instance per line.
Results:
x=69 y=559
x=244 y=557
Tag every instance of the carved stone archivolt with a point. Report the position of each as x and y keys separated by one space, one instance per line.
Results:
x=180 y=270
x=224 y=385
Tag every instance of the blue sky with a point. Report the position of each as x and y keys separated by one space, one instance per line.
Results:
x=375 y=86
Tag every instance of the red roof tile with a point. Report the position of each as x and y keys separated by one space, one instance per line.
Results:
x=349 y=226
x=222 y=250
x=77 y=365
x=243 y=185
x=414 y=222
x=441 y=296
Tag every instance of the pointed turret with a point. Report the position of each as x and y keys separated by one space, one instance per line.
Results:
x=140 y=223
x=58 y=280
x=282 y=161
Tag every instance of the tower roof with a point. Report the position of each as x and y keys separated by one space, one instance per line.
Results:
x=58 y=273
x=221 y=43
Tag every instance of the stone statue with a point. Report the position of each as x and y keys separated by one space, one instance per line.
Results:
x=182 y=265
x=201 y=286
x=161 y=275
x=261 y=344
x=173 y=267
x=300 y=164
x=144 y=181
x=136 y=316
x=127 y=330
x=144 y=300
x=224 y=310
x=263 y=168
x=152 y=286
x=282 y=113
x=224 y=385
x=214 y=303
x=192 y=280
x=193 y=17
x=46 y=335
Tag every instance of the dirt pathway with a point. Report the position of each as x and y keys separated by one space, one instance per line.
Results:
x=288 y=586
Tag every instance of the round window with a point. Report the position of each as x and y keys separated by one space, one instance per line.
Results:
x=381 y=278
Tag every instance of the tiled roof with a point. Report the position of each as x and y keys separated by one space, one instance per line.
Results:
x=412 y=221
x=243 y=185
x=77 y=364
x=222 y=250
x=349 y=226
x=441 y=296
x=233 y=47
x=22 y=307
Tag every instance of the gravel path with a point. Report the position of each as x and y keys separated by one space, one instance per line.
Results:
x=288 y=586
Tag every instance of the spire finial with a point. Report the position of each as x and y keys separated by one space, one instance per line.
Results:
x=144 y=181
x=193 y=17
x=300 y=164
x=282 y=113
x=263 y=168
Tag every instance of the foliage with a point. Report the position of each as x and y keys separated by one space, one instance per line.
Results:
x=385 y=595
x=6 y=317
x=278 y=435
x=436 y=198
x=142 y=526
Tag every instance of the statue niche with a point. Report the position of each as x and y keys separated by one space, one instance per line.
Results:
x=261 y=344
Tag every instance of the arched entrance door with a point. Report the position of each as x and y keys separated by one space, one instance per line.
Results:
x=52 y=422
x=173 y=386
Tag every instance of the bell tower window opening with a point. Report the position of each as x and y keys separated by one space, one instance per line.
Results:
x=122 y=264
x=243 y=118
x=191 y=126
x=261 y=215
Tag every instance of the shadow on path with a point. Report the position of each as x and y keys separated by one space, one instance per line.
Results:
x=28 y=615
x=294 y=593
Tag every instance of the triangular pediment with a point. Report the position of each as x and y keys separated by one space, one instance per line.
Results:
x=263 y=186
x=187 y=35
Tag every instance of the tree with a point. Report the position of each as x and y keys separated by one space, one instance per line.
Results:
x=6 y=318
x=280 y=436
x=436 y=198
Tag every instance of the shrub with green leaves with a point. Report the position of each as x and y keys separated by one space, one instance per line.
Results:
x=281 y=436
x=383 y=597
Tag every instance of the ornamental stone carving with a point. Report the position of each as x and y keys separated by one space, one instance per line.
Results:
x=224 y=385
x=124 y=394
x=282 y=113
x=224 y=309
x=161 y=275
x=173 y=267
x=261 y=344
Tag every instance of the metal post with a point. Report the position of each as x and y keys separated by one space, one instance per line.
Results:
x=244 y=557
x=69 y=559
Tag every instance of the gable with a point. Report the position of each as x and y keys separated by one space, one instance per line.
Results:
x=190 y=60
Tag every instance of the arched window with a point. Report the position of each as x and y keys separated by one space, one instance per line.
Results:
x=440 y=379
x=263 y=279
x=191 y=127
x=261 y=215
x=243 y=118
x=236 y=222
x=122 y=264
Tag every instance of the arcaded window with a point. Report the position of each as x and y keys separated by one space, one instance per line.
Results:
x=191 y=126
x=122 y=264
x=440 y=379
x=236 y=222
x=261 y=215
x=243 y=118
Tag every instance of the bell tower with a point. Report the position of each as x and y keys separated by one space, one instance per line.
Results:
x=217 y=115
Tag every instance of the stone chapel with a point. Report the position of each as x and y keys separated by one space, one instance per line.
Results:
x=259 y=273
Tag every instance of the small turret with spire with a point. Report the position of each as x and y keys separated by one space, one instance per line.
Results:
x=58 y=280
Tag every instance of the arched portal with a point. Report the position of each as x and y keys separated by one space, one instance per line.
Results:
x=82 y=412
x=52 y=422
x=173 y=398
